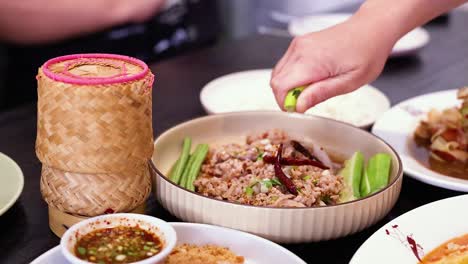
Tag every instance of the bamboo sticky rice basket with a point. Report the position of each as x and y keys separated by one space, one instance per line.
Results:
x=94 y=133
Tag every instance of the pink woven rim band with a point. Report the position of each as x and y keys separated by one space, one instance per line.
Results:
x=68 y=77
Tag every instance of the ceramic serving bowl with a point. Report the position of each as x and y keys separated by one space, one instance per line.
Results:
x=285 y=225
x=160 y=228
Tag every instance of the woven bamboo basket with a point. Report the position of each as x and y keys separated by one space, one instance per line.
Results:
x=94 y=194
x=94 y=113
x=94 y=135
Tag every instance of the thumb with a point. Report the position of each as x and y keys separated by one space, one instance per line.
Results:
x=324 y=90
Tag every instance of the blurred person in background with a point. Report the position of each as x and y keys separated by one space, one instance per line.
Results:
x=34 y=31
x=342 y=58
x=38 y=21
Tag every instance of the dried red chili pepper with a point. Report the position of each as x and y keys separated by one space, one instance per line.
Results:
x=280 y=174
x=295 y=162
x=303 y=150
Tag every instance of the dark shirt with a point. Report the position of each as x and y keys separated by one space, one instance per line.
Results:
x=185 y=26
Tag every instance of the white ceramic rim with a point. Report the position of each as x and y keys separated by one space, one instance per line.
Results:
x=47 y=254
x=381 y=230
x=257 y=238
x=186 y=123
x=57 y=249
x=295 y=29
x=424 y=38
x=20 y=176
x=414 y=169
x=207 y=106
x=169 y=235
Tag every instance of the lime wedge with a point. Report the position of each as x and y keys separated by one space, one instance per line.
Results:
x=291 y=98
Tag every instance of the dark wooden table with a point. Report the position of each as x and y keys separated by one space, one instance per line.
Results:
x=443 y=64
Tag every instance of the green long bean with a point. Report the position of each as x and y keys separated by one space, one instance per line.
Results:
x=200 y=154
x=183 y=180
x=180 y=166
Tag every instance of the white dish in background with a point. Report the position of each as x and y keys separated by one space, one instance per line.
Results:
x=408 y=44
x=429 y=226
x=11 y=182
x=256 y=250
x=251 y=91
x=397 y=126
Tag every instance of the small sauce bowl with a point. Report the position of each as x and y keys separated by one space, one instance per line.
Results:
x=163 y=230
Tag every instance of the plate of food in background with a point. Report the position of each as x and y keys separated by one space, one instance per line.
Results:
x=430 y=132
x=434 y=233
x=11 y=182
x=251 y=91
x=198 y=243
x=269 y=173
x=409 y=44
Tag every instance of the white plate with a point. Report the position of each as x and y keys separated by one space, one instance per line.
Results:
x=251 y=91
x=397 y=126
x=11 y=182
x=408 y=44
x=256 y=250
x=429 y=226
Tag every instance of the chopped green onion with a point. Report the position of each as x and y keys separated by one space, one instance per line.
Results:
x=82 y=250
x=267 y=183
x=260 y=154
x=275 y=181
x=326 y=199
x=260 y=157
x=307 y=177
x=253 y=182
x=249 y=191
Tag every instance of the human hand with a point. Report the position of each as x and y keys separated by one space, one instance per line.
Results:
x=331 y=62
x=140 y=11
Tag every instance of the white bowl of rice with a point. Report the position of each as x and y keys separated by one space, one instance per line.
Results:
x=233 y=163
x=250 y=91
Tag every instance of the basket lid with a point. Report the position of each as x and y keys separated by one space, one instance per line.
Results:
x=95 y=69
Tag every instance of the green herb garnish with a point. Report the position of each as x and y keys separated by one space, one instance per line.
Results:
x=249 y=191
x=260 y=154
x=81 y=250
x=267 y=183
x=326 y=199
x=275 y=181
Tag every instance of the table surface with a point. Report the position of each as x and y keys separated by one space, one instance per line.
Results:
x=443 y=64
